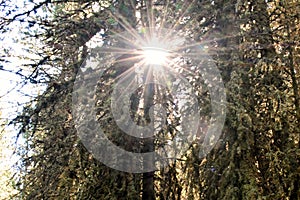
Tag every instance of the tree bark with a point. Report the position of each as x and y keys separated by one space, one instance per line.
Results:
x=148 y=177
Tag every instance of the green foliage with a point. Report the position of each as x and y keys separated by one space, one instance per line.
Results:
x=253 y=43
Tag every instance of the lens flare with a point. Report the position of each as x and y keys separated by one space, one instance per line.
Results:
x=171 y=60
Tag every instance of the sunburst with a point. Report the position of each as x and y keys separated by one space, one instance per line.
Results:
x=155 y=55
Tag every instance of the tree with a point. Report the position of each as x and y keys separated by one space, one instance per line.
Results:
x=252 y=43
x=6 y=172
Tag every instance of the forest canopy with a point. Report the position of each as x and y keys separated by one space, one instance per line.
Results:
x=200 y=98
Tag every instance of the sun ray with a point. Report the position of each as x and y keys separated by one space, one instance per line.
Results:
x=148 y=80
x=171 y=67
x=158 y=43
x=132 y=58
x=128 y=28
x=162 y=24
x=125 y=91
x=121 y=20
x=130 y=70
x=125 y=75
x=204 y=42
x=186 y=7
x=117 y=50
x=177 y=22
x=149 y=10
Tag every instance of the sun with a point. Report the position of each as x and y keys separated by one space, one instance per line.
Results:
x=155 y=50
x=155 y=55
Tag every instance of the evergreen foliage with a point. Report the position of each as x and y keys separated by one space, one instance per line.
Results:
x=255 y=44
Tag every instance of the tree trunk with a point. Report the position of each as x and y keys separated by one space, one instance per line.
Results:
x=148 y=177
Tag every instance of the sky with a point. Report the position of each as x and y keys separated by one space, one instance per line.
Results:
x=13 y=92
